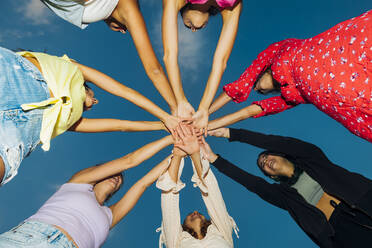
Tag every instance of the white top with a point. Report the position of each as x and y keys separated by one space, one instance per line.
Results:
x=98 y=10
x=219 y=234
x=75 y=209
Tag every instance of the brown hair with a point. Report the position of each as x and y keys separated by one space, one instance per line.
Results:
x=204 y=228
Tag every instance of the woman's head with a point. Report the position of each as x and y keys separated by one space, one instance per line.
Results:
x=196 y=224
x=90 y=100
x=265 y=83
x=196 y=16
x=275 y=165
x=109 y=186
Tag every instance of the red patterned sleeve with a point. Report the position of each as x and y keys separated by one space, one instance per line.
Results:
x=272 y=105
x=239 y=89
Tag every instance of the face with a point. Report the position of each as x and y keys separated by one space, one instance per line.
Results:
x=116 y=26
x=273 y=165
x=195 y=19
x=195 y=220
x=109 y=185
x=265 y=84
x=89 y=100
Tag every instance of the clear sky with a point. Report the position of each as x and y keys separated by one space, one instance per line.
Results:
x=24 y=24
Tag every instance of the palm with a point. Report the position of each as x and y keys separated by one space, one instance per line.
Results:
x=188 y=140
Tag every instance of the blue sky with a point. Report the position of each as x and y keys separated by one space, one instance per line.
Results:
x=24 y=24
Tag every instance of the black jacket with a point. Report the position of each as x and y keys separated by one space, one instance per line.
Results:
x=345 y=185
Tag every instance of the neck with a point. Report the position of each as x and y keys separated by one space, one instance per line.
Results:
x=288 y=170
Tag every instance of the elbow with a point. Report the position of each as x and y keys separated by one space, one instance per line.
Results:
x=154 y=70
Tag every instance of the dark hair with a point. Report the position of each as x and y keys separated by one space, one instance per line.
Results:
x=63 y=7
x=212 y=11
x=204 y=228
x=113 y=193
x=86 y=86
x=276 y=84
x=281 y=179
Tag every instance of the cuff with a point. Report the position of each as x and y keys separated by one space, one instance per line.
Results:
x=195 y=178
x=165 y=182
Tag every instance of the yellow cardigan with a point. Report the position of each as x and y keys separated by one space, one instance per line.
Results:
x=66 y=82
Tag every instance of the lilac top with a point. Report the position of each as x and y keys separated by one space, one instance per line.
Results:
x=75 y=209
x=221 y=3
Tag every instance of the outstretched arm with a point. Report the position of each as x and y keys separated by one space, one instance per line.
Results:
x=220 y=101
x=171 y=224
x=170 y=44
x=130 y=199
x=214 y=202
x=237 y=116
x=129 y=13
x=85 y=125
x=97 y=173
x=225 y=44
x=116 y=88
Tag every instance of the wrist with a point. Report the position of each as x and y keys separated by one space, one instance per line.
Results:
x=212 y=157
x=227 y=134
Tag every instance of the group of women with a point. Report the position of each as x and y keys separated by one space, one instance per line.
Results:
x=43 y=96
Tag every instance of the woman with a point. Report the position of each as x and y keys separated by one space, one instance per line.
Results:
x=332 y=70
x=196 y=230
x=75 y=216
x=330 y=204
x=195 y=14
x=42 y=96
x=120 y=16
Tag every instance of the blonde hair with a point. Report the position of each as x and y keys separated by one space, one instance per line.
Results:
x=63 y=7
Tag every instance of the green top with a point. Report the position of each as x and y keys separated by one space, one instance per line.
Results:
x=308 y=188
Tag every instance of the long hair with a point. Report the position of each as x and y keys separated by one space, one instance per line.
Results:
x=63 y=7
x=204 y=228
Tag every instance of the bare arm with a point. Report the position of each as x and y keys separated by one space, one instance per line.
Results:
x=220 y=101
x=116 y=88
x=128 y=12
x=96 y=173
x=223 y=50
x=237 y=116
x=85 y=125
x=170 y=43
x=130 y=199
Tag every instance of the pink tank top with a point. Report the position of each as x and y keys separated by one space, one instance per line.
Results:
x=221 y=3
x=75 y=209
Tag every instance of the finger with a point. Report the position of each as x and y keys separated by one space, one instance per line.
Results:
x=180 y=131
x=205 y=132
x=188 y=130
x=184 y=130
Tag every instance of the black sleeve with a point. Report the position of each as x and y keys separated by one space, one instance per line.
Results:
x=268 y=192
x=287 y=145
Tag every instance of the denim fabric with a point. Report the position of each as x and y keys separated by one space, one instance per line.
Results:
x=73 y=12
x=32 y=234
x=20 y=82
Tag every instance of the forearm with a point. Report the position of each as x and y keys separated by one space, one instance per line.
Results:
x=240 y=115
x=116 y=88
x=126 y=204
x=85 y=125
x=174 y=167
x=213 y=82
x=97 y=173
x=170 y=44
x=137 y=27
x=196 y=159
x=219 y=102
